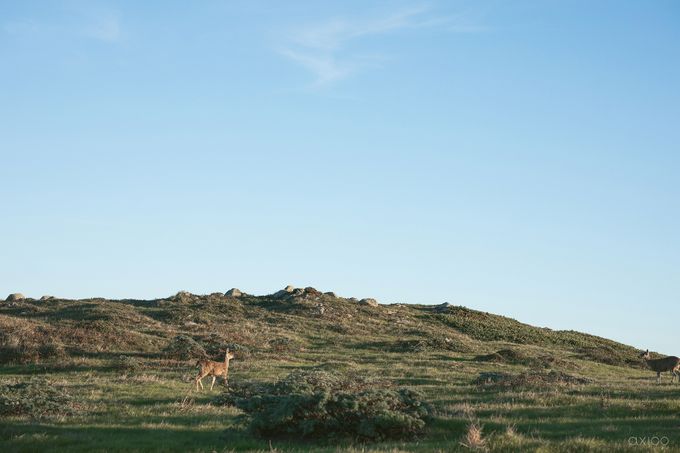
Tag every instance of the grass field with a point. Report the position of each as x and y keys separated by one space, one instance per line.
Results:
x=544 y=391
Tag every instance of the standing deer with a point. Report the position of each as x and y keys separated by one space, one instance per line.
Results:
x=671 y=364
x=214 y=369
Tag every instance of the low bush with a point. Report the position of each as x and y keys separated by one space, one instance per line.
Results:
x=36 y=398
x=284 y=344
x=18 y=353
x=51 y=351
x=321 y=404
x=128 y=364
x=15 y=350
x=183 y=347
x=531 y=379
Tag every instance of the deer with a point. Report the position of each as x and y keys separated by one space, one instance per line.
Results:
x=670 y=363
x=214 y=369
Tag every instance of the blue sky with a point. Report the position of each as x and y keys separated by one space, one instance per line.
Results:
x=515 y=157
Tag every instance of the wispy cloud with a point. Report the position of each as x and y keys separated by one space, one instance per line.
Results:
x=325 y=66
x=325 y=49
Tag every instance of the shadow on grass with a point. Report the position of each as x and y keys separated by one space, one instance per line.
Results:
x=112 y=355
x=635 y=394
x=40 y=437
x=50 y=368
x=560 y=427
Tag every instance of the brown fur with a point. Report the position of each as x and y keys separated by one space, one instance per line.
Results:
x=670 y=363
x=214 y=369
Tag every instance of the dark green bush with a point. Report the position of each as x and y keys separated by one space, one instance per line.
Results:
x=320 y=404
x=183 y=347
x=35 y=398
x=51 y=351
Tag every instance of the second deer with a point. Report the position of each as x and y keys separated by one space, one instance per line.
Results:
x=670 y=363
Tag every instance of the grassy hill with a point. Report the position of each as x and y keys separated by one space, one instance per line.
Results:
x=96 y=374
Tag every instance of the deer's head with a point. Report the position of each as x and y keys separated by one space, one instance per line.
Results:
x=645 y=355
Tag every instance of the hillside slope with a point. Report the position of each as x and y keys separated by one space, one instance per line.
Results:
x=306 y=317
x=453 y=354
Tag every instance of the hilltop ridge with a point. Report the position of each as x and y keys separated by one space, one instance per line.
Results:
x=300 y=315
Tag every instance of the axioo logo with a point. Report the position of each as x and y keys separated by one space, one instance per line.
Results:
x=653 y=441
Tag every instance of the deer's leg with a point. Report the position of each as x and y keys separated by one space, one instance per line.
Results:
x=213 y=383
x=199 y=380
x=658 y=377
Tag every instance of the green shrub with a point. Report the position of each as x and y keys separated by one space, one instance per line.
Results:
x=312 y=381
x=51 y=351
x=35 y=398
x=322 y=404
x=183 y=347
x=126 y=363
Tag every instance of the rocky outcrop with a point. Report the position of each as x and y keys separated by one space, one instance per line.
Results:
x=43 y=298
x=184 y=296
x=234 y=292
x=370 y=302
x=15 y=297
x=307 y=293
x=285 y=292
x=442 y=308
x=312 y=292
